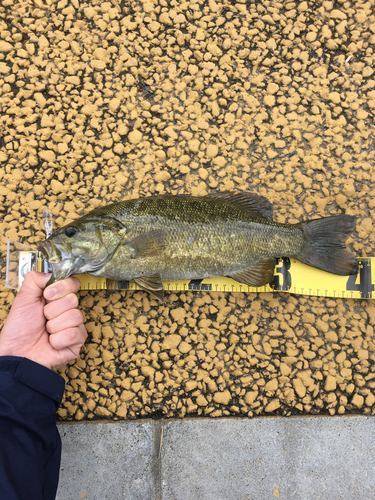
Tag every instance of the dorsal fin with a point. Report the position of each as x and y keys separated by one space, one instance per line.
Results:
x=256 y=205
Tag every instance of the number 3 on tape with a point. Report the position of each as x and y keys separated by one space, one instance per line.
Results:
x=283 y=279
x=362 y=282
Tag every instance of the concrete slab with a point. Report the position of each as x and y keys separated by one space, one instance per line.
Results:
x=107 y=461
x=294 y=458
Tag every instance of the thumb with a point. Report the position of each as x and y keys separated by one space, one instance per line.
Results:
x=34 y=284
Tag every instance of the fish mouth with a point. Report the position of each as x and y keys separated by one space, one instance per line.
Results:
x=59 y=262
x=46 y=248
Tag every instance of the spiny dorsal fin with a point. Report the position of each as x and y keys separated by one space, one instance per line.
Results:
x=253 y=203
x=147 y=244
x=258 y=275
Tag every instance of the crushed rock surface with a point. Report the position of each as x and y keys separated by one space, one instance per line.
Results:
x=104 y=101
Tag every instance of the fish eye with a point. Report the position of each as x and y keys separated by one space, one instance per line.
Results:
x=70 y=231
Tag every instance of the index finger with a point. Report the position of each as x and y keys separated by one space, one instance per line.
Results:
x=62 y=288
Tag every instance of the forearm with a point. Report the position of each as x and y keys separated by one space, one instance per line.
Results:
x=30 y=446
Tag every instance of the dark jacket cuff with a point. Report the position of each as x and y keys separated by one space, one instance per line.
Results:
x=34 y=375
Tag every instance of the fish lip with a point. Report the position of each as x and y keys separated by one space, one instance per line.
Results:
x=60 y=269
x=46 y=248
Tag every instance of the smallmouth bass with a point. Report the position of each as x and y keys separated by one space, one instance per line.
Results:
x=184 y=237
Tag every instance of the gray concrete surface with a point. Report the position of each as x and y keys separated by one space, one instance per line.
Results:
x=287 y=458
x=107 y=461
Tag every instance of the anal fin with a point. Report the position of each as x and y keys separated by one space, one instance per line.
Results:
x=258 y=275
x=151 y=284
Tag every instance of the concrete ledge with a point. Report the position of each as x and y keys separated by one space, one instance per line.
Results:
x=295 y=458
x=107 y=461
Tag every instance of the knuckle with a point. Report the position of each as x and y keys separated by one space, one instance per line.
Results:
x=30 y=276
x=80 y=315
x=65 y=338
x=29 y=279
x=85 y=334
x=49 y=327
x=70 y=335
x=74 y=283
x=67 y=286
x=47 y=314
x=46 y=311
x=73 y=300
x=76 y=317
x=55 y=341
x=63 y=289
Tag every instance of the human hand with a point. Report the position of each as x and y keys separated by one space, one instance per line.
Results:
x=44 y=327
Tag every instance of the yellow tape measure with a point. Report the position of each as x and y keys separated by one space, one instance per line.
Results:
x=290 y=276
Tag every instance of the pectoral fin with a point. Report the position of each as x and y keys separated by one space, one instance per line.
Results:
x=258 y=275
x=151 y=284
x=147 y=244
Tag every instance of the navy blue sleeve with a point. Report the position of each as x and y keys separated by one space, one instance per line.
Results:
x=30 y=445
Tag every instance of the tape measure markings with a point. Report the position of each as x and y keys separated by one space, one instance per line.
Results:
x=291 y=276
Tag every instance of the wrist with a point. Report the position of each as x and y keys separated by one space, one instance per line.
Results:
x=6 y=349
x=5 y=352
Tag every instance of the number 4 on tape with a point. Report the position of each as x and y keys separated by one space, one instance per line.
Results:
x=292 y=276
x=362 y=282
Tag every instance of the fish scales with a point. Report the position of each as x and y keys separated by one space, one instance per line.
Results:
x=204 y=238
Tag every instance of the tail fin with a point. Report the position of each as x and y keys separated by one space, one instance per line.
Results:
x=325 y=244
